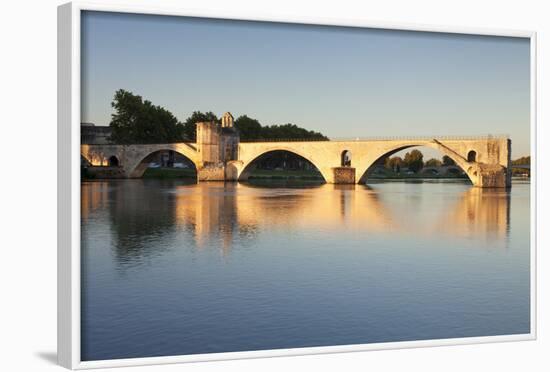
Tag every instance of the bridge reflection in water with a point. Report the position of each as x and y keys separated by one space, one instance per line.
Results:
x=218 y=214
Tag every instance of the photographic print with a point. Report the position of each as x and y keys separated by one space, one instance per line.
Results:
x=251 y=185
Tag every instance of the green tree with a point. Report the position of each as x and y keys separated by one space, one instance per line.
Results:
x=394 y=163
x=248 y=128
x=414 y=160
x=139 y=121
x=292 y=131
x=188 y=130
x=447 y=161
x=524 y=160
x=433 y=163
x=252 y=129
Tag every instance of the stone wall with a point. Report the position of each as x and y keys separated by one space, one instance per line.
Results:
x=232 y=170
x=211 y=173
x=208 y=142
x=493 y=176
x=103 y=172
x=229 y=144
x=344 y=174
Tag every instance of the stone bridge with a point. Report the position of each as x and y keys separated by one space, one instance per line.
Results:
x=133 y=160
x=485 y=160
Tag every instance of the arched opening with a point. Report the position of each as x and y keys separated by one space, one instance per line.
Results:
x=471 y=156
x=165 y=164
x=281 y=165
x=113 y=161
x=346 y=158
x=414 y=162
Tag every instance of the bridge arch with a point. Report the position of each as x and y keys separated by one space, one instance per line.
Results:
x=137 y=169
x=469 y=168
x=250 y=165
x=113 y=161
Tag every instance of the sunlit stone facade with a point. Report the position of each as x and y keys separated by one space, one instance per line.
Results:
x=218 y=155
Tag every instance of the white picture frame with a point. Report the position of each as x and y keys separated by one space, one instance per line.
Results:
x=69 y=185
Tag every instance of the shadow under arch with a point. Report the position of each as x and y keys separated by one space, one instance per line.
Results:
x=258 y=159
x=84 y=161
x=459 y=161
x=139 y=169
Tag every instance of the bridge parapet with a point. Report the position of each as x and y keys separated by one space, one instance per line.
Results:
x=422 y=138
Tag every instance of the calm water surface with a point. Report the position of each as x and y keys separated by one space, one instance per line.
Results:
x=170 y=268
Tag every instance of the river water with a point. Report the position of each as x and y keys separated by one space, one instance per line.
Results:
x=171 y=268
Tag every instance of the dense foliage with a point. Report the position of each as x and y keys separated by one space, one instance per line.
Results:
x=251 y=129
x=433 y=163
x=524 y=160
x=447 y=161
x=414 y=160
x=139 y=121
x=394 y=163
x=248 y=128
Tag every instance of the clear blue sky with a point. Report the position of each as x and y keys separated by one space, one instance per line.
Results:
x=343 y=82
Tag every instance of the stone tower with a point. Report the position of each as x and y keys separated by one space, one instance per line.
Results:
x=208 y=142
x=217 y=144
x=227 y=120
